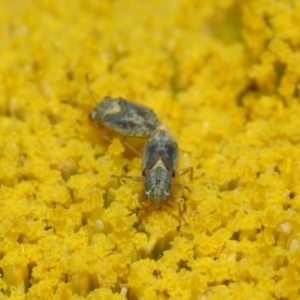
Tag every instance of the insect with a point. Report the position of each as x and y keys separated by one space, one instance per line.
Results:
x=160 y=161
x=123 y=116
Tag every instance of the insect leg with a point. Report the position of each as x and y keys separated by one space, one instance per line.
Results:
x=184 y=171
x=136 y=178
x=187 y=170
x=107 y=137
x=124 y=142
x=179 y=202
x=182 y=186
x=93 y=95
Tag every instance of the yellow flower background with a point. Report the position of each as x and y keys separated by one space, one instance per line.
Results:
x=224 y=76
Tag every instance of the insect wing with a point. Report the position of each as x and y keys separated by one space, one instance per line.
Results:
x=166 y=150
x=128 y=118
x=170 y=156
x=143 y=118
x=135 y=119
x=150 y=155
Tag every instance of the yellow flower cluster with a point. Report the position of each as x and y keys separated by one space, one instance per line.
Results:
x=224 y=75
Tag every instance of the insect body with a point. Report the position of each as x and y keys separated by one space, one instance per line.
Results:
x=125 y=117
x=160 y=160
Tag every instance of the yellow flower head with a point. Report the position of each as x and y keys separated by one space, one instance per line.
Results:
x=75 y=221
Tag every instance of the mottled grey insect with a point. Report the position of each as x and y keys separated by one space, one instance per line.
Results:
x=160 y=161
x=125 y=117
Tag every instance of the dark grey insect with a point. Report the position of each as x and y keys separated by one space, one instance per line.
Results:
x=160 y=160
x=125 y=117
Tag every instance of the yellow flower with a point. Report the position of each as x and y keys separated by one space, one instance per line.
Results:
x=224 y=76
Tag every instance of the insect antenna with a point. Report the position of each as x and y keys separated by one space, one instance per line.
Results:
x=93 y=95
